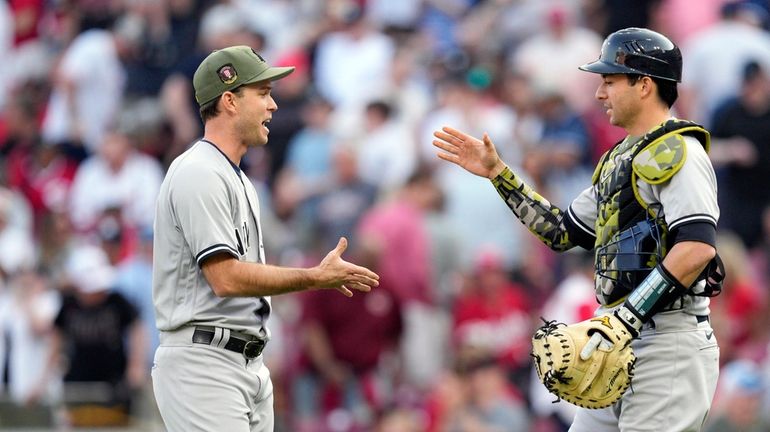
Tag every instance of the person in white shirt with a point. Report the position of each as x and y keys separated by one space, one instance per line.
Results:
x=88 y=86
x=118 y=176
x=713 y=60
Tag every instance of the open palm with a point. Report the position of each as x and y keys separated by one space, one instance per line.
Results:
x=476 y=156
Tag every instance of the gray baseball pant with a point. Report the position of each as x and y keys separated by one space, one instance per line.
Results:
x=675 y=377
x=205 y=388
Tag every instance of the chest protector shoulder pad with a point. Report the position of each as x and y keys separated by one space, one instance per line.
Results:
x=659 y=160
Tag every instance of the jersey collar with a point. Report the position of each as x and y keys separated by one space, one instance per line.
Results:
x=235 y=167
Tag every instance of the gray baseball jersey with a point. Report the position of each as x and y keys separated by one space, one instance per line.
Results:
x=206 y=206
x=689 y=196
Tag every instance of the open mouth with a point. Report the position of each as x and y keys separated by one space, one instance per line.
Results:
x=265 y=123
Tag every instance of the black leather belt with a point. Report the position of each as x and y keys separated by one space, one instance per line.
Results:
x=250 y=346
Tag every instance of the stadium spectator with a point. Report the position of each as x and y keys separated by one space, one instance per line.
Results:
x=459 y=103
x=98 y=339
x=741 y=132
x=88 y=86
x=561 y=158
x=715 y=57
x=348 y=60
x=548 y=58
x=28 y=313
x=738 y=403
x=346 y=367
x=387 y=151
x=342 y=205
x=491 y=315
x=118 y=176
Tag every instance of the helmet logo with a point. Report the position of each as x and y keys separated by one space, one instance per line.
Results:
x=227 y=74
x=634 y=46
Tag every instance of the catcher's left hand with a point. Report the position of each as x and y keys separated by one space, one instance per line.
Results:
x=598 y=377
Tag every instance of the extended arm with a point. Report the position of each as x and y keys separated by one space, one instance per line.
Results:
x=546 y=221
x=549 y=223
x=230 y=277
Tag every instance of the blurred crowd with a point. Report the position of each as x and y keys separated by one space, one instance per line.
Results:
x=96 y=100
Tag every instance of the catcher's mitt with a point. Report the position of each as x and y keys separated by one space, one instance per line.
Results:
x=601 y=379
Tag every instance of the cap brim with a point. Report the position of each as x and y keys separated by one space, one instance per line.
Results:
x=601 y=67
x=271 y=74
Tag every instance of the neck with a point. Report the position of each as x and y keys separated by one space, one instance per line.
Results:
x=649 y=120
x=225 y=141
x=116 y=165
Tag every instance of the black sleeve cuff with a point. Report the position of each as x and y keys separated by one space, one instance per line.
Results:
x=578 y=234
x=213 y=250
x=700 y=231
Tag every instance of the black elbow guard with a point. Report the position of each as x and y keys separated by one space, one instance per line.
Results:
x=657 y=290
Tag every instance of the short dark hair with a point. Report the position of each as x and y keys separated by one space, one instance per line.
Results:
x=384 y=109
x=211 y=109
x=667 y=91
x=751 y=70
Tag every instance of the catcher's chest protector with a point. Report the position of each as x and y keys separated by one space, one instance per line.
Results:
x=619 y=205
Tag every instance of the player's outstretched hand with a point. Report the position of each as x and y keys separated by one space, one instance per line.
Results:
x=334 y=272
x=477 y=156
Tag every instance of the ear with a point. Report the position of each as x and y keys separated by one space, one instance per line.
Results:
x=646 y=86
x=227 y=102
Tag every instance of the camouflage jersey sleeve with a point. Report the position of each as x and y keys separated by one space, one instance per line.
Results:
x=559 y=230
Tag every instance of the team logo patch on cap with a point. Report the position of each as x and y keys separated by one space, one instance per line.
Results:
x=227 y=74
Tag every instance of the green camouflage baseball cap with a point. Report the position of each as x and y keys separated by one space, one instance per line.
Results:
x=231 y=67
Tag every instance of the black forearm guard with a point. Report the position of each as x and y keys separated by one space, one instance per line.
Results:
x=657 y=290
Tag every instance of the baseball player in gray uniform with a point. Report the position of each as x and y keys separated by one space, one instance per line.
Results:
x=211 y=285
x=650 y=216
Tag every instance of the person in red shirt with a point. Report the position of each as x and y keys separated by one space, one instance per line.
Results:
x=491 y=313
x=341 y=363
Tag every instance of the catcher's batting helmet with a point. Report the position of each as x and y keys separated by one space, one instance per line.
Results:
x=638 y=51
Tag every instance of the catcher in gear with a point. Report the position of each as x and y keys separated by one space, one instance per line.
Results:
x=650 y=216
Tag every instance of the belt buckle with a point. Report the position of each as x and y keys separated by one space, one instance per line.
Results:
x=253 y=349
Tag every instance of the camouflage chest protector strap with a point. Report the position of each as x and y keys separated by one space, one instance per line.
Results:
x=631 y=235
